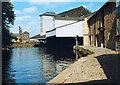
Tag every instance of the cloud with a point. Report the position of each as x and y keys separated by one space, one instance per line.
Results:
x=35 y=22
x=52 y=0
x=17 y=12
x=30 y=10
x=15 y=28
x=27 y=23
x=90 y=5
x=23 y=18
x=60 y=1
x=32 y=27
x=84 y=6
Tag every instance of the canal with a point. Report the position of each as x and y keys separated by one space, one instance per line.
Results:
x=34 y=65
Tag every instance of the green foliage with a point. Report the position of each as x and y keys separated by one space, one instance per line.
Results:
x=8 y=18
x=6 y=38
x=20 y=40
x=82 y=52
x=8 y=15
x=63 y=68
x=22 y=45
x=13 y=37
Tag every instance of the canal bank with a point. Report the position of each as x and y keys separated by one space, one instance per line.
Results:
x=21 y=45
x=100 y=67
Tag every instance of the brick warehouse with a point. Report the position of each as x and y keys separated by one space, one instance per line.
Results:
x=102 y=26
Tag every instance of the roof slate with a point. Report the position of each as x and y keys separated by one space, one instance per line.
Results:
x=76 y=12
x=38 y=36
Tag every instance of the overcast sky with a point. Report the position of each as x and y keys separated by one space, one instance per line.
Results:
x=27 y=13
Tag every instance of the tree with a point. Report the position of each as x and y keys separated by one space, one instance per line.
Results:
x=14 y=37
x=8 y=18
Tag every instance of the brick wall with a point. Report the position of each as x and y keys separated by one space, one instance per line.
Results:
x=102 y=26
x=117 y=44
x=25 y=36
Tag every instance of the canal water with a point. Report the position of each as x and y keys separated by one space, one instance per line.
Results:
x=34 y=65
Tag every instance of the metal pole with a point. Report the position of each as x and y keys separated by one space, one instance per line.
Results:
x=76 y=56
x=76 y=45
x=76 y=40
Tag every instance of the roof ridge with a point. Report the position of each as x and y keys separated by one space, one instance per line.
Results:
x=74 y=9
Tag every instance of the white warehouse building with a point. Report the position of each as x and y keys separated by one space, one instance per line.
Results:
x=64 y=30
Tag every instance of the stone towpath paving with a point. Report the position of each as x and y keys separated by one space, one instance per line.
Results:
x=101 y=67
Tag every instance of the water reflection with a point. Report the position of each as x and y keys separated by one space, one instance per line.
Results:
x=6 y=61
x=34 y=65
x=48 y=68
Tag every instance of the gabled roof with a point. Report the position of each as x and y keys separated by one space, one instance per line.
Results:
x=105 y=5
x=75 y=18
x=38 y=36
x=25 y=32
x=25 y=39
x=48 y=14
x=68 y=18
x=76 y=12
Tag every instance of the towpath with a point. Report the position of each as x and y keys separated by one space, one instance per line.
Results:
x=100 y=67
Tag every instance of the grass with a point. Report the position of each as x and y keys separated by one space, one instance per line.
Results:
x=63 y=68
x=21 y=45
x=27 y=43
x=82 y=52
